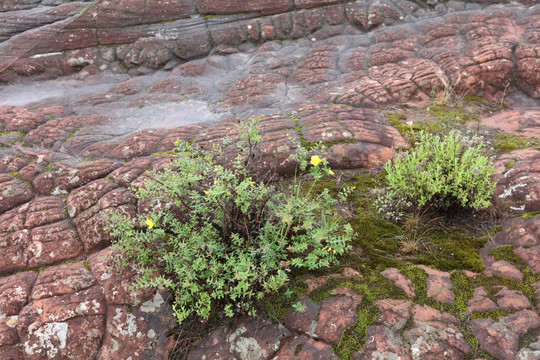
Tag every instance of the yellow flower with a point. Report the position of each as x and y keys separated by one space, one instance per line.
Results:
x=331 y=172
x=176 y=143
x=206 y=192
x=150 y=223
x=315 y=160
x=251 y=183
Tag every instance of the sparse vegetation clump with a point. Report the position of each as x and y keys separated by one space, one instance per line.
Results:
x=218 y=238
x=439 y=172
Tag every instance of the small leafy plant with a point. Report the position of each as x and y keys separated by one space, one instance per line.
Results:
x=218 y=238
x=439 y=172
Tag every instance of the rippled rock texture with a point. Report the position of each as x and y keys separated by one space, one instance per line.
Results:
x=147 y=73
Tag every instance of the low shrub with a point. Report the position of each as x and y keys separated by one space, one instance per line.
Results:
x=439 y=172
x=219 y=239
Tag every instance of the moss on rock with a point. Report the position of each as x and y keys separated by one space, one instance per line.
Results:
x=505 y=142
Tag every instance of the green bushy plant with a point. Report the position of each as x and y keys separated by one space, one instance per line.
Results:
x=218 y=238
x=439 y=172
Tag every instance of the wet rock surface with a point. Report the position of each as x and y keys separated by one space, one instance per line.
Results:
x=146 y=76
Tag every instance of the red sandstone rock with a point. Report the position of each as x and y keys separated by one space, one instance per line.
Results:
x=350 y=272
x=9 y=339
x=317 y=282
x=63 y=325
x=129 y=12
x=394 y=313
x=12 y=251
x=427 y=314
x=305 y=321
x=13 y=192
x=383 y=337
x=40 y=211
x=228 y=7
x=336 y=314
x=400 y=281
x=531 y=256
x=21 y=119
x=520 y=121
x=536 y=287
x=528 y=65
x=472 y=50
x=363 y=92
x=139 y=144
x=246 y=338
x=91 y=222
x=29 y=172
x=68 y=175
x=87 y=196
x=149 y=52
x=131 y=171
x=519 y=187
x=439 y=285
x=530 y=354
x=254 y=90
x=512 y=300
x=480 y=302
x=500 y=339
x=435 y=334
x=52 y=243
x=523 y=233
x=503 y=268
x=116 y=283
x=14 y=293
x=10 y=164
x=53 y=132
x=137 y=334
x=304 y=348
x=314 y=3
x=62 y=280
x=388 y=55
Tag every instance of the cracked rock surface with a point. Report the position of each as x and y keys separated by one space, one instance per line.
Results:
x=131 y=77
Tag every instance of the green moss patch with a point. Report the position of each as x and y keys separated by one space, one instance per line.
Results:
x=87 y=266
x=397 y=120
x=377 y=241
x=463 y=288
x=532 y=336
x=450 y=113
x=169 y=152
x=440 y=116
x=472 y=98
x=505 y=142
x=493 y=314
x=441 y=249
x=470 y=339
x=16 y=175
x=509 y=164
x=297 y=349
x=354 y=338
x=529 y=215
x=70 y=136
x=453 y=250
x=372 y=286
